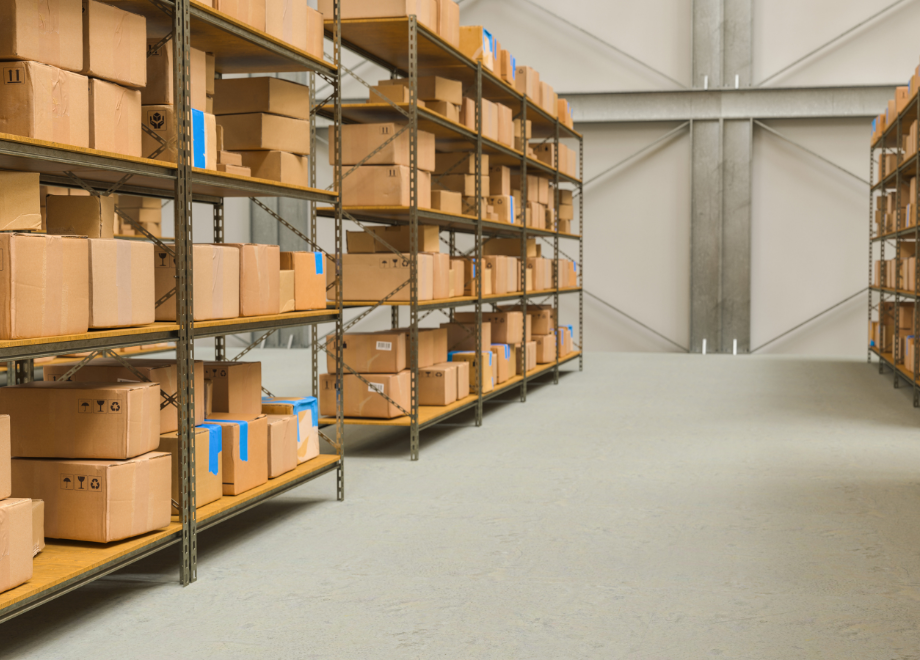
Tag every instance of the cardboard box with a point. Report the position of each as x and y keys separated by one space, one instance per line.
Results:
x=441 y=276
x=364 y=400
x=383 y=94
x=505 y=366
x=449 y=22
x=114 y=44
x=260 y=279
x=399 y=237
x=245 y=451
x=505 y=128
x=448 y=110
x=98 y=500
x=234 y=169
x=121 y=290
x=489 y=375
x=546 y=348
x=231 y=158
x=497 y=270
x=161 y=120
x=47 y=301
x=306 y=410
x=382 y=9
x=160 y=88
x=50 y=32
x=437 y=385
x=31 y=104
x=309 y=279
x=38 y=527
x=359 y=140
x=5 y=455
x=259 y=131
x=20 y=202
x=248 y=12
x=282 y=442
x=537 y=266
x=162 y=372
x=215 y=281
x=478 y=44
x=432 y=346
x=274 y=96
x=372 y=352
x=457 y=272
x=499 y=181
x=490 y=120
x=504 y=327
x=18 y=545
x=287 y=21
x=447 y=201
x=527 y=82
x=468 y=113
x=80 y=216
x=280 y=166
x=286 y=291
x=462 y=336
x=564 y=337
x=531 y=350
x=90 y=420
x=383 y=185
x=510 y=247
x=459 y=162
x=504 y=208
x=210 y=75
x=208 y=469
x=236 y=387
x=542 y=317
x=432 y=88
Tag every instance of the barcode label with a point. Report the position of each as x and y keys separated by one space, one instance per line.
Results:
x=375 y=387
x=384 y=346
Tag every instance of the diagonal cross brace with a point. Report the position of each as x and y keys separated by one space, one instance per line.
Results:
x=373 y=153
x=287 y=224
x=379 y=239
x=146 y=233
x=371 y=386
x=255 y=343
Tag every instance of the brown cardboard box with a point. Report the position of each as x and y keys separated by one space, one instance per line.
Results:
x=437 y=385
x=448 y=110
x=32 y=106
x=489 y=120
x=287 y=21
x=260 y=279
x=459 y=162
x=477 y=44
x=546 y=348
x=433 y=88
x=286 y=291
x=274 y=96
x=489 y=375
x=365 y=401
x=447 y=201
x=309 y=279
x=161 y=120
x=372 y=352
x=16 y=532
x=462 y=336
x=20 y=202
x=163 y=372
x=81 y=216
x=463 y=377
x=306 y=410
x=504 y=327
x=315 y=34
x=38 y=527
x=279 y=166
x=449 y=22
x=359 y=140
x=505 y=126
x=49 y=32
x=383 y=185
x=497 y=270
x=504 y=208
x=510 y=247
x=527 y=82
x=114 y=44
x=5 y=483
x=500 y=180
x=249 y=12
x=234 y=169
x=216 y=282
x=282 y=442
x=503 y=362
x=441 y=276
x=361 y=242
x=236 y=386
x=208 y=469
x=537 y=267
x=259 y=131
x=231 y=158
x=210 y=75
x=245 y=451
x=98 y=500
x=381 y=94
x=159 y=89
x=121 y=290
x=399 y=237
x=565 y=340
x=457 y=270
x=542 y=317
x=531 y=348
x=468 y=113
x=372 y=277
x=382 y=9
x=90 y=420
x=44 y=301
x=432 y=345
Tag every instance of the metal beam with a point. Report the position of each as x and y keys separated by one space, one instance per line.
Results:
x=737 y=156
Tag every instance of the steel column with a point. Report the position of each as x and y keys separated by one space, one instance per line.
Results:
x=706 y=236
x=737 y=150
x=413 y=236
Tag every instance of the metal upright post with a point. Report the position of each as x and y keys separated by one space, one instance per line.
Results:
x=479 y=266
x=314 y=329
x=556 y=257
x=340 y=322
x=523 y=352
x=185 y=347
x=580 y=266
x=896 y=353
x=916 y=282
x=220 y=342
x=413 y=234
x=873 y=205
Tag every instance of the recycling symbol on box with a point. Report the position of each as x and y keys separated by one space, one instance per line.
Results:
x=115 y=407
x=94 y=484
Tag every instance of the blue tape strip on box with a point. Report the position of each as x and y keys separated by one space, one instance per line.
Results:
x=507 y=350
x=215 y=446
x=319 y=262
x=306 y=403
x=513 y=217
x=199 y=140
x=244 y=435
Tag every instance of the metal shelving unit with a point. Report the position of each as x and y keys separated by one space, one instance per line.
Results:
x=65 y=566
x=405 y=48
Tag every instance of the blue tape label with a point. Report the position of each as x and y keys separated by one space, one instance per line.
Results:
x=244 y=435
x=215 y=446
x=199 y=140
x=319 y=263
x=299 y=406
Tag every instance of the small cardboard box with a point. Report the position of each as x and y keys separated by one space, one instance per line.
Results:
x=38 y=527
x=249 y=12
x=260 y=279
x=399 y=237
x=384 y=185
x=382 y=9
x=245 y=451
x=360 y=140
x=531 y=349
x=372 y=352
x=44 y=286
x=259 y=131
x=31 y=105
x=306 y=410
x=432 y=88
x=216 y=282
x=18 y=544
x=121 y=291
x=287 y=21
x=373 y=277
x=161 y=120
x=240 y=96
x=50 y=32
x=236 y=386
x=546 y=348
x=489 y=376
x=286 y=291
x=500 y=181
x=282 y=443
x=449 y=110
x=114 y=44
x=20 y=201
x=462 y=336
x=208 y=469
x=456 y=274
x=503 y=362
x=91 y=216
x=449 y=22
x=564 y=338
x=441 y=276
x=478 y=44
x=309 y=279
x=5 y=455
x=437 y=385
x=504 y=327
x=364 y=400
x=432 y=345
x=447 y=201
x=279 y=166
x=98 y=500
x=114 y=118
x=90 y=420
x=160 y=89
x=463 y=378
x=497 y=270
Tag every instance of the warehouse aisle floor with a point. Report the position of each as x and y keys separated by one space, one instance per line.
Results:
x=656 y=506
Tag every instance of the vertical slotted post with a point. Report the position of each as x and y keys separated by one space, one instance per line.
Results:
x=873 y=205
x=314 y=329
x=556 y=256
x=522 y=360
x=220 y=342
x=185 y=347
x=916 y=282
x=24 y=372
x=452 y=240
x=883 y=271
x=479 y=266
x=413 y=235
x=580 y=266
x=340 y=322
x=896 y=285
x=394 y=317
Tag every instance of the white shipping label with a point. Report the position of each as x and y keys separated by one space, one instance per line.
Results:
x=384 y=346
x=375 y=387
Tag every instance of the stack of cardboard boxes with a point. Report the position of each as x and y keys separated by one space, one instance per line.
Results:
x=145 y=211
x=539 y=275
x=21 y=522
x=442 y=17
x=503 y=333
x=882 y=332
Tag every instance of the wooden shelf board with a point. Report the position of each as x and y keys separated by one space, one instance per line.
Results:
x=257 y=320
x=92 y=334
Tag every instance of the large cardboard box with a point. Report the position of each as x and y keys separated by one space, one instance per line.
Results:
x=437 y=385
x=45 y=103
x=447 y=201
x=161 y=120
x=279 y=166
x=208 y=468
x=114 y=44
x=360 y=140
x=121 y=291
x=239 y=96
x=248 y=12
x=215 y=280
x=373 y=277
x=245 y=451
x=306 y=410
x=382 y=9
x=236 y=387
x=503 y=363
x=478 y=44
x=462 y=336
x=364 y=400
x=490 y=374
x=282 y=443
x=44 y=286
x=309 y=279
x=17 y=543
x=82 y=420
x=504 y=327
x=20 y=201
x=259 y=131
x=432 y=346
x=449 y=22
x=546 y=348
x=160 y=89
x=371 y=352
x=49 y=32
x=114 y=118
x=38 y=526
x=260 y=279
x=98 y=500
x=5 y=455
x=91 y=216
x=287 y=21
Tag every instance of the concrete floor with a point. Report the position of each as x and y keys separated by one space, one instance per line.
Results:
x=656 y=506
